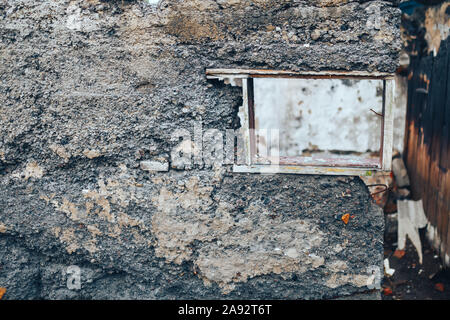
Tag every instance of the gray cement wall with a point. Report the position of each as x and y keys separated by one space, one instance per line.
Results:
x=90 y=89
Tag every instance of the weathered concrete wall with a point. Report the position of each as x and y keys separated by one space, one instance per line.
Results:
x=89 y=89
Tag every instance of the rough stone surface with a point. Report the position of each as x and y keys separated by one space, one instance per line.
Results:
x=89 y=89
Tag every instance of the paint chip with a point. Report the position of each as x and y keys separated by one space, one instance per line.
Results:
x=411 y=217
x=345 y=218
x=387 y=268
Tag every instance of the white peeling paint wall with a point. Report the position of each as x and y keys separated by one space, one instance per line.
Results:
x=401 y=95
x=326 y=114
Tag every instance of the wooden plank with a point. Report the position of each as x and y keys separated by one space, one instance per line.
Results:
x=410 y=146
x=439 y=83
x=251 y=117
x=245 y=124
x=444 y=161
x=388 y=125
x=274 y=169
x=418 y=106
x=427 y=142
x=422 y=116
x=445 y=209
x=428 y=168
x=258 y=73
x=341 y=161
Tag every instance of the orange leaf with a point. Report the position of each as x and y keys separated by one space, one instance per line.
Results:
x=2 y=292
x=399 y=253
x=439 y=287
x=345 y=218
x=387 y=291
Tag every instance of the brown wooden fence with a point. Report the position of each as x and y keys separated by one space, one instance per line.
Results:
x=427 y=146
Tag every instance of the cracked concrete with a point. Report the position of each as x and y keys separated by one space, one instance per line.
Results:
x=90 y=89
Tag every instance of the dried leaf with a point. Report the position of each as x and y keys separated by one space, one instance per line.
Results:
x=399 y=254
x=439 y=287
x=387 y=291
x=2 y=292
x=345 y=218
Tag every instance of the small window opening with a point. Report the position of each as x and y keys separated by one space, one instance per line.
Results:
x=323 y=123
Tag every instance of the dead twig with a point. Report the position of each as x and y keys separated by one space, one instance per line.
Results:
x=378 y=185
x=378 y=114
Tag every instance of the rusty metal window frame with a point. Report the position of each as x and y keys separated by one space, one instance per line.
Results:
x=295 y=165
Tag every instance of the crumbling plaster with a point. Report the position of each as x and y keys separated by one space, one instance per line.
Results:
x=90 y=89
